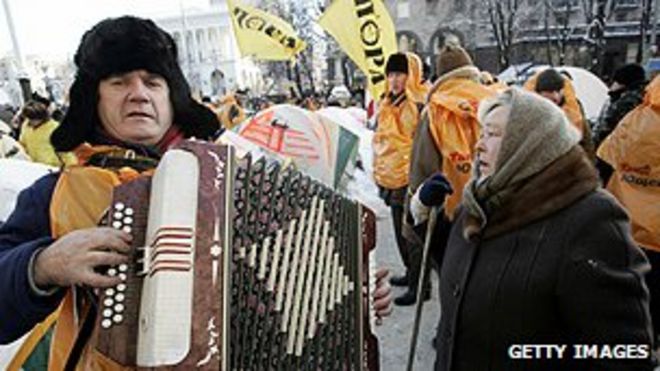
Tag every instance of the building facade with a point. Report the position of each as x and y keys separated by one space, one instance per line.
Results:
x=543 y=32
x=208 y=53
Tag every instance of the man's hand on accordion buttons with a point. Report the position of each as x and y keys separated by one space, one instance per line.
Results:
x=382 y=295
x=72 y=258
x=434 y=190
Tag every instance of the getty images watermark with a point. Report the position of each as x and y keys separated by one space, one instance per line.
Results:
x=579 y=351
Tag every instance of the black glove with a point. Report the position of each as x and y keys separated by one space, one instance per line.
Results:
x=434 y=190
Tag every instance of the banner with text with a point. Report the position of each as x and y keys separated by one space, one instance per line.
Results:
x=262 y=35
x=365 y=31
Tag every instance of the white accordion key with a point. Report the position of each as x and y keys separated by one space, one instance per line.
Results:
x=112 y=272
x=129 y=211
x=123 y=268
x=107 y=312
x=117 y=318
x=123 y=277
x=128 y=220
x=106 y=323
x=116 y=224
x=127 y=229
x=108 y=302
x=118 y=215
x=121 y=287
x=109 y=291
x=119 y=307
x=119 y=297
x=119 y=206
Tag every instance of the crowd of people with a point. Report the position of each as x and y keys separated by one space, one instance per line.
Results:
x=547 y=228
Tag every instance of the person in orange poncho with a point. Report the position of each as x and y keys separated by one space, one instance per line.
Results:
x=398 y=117
x=629 y=162
x=444 y=142
x=559 y=89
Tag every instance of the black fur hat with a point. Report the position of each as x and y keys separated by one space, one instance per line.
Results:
x=119 y=45
x=397 y=62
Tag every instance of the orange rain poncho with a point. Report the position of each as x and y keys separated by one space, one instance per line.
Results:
x=455 y=129
x=397 y=123
x=633 y=150
x=571 y=106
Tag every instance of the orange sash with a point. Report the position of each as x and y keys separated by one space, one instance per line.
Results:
x=81 y=196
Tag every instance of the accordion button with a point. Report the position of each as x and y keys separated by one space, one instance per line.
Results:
x=120 y=297
x=119 y=308
x=119 y=206
x=128 y=211
x=107 y=312
x=123 y=267
x=117 y=318
x=127 y=229
x=116 y=224
x=128 y=220
x=106 y=323
x=109 y=292
x=112 y=272
x=108 y=302
x=122 y=276
x=121 y=287
x=118 y=215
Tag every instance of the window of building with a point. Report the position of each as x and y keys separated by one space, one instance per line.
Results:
x=564 y=3
x=403 y=9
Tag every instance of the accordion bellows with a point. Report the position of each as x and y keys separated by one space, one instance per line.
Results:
x=238 y=265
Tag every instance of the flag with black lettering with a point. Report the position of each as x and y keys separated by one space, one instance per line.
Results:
x=365 y=32
x=262 y=35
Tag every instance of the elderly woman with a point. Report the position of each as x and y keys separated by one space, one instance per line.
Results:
x=539 y=254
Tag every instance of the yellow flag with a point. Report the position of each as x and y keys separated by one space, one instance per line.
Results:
x=365 y=31
x=262 y=35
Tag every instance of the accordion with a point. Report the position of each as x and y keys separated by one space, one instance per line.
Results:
x=238 y=265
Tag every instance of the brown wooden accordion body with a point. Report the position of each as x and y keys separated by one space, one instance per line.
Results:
x=239 y=265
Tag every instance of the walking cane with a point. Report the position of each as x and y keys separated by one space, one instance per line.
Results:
x=422 y=276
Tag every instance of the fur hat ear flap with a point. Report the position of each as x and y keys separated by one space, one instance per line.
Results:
x=82 y=109
x=196 y=120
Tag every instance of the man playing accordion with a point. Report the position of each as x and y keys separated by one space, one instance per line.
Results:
x=129 y=104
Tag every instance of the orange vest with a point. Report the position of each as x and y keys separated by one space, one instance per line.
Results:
x=392 y=143
x=455 y=130
x=633 y=150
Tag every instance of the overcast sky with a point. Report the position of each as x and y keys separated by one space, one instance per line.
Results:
x=54 y=27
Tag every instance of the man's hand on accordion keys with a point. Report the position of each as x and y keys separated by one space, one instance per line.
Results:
x=382 y=295
x=72 y=259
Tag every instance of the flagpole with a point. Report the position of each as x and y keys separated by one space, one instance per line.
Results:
x=12 y=32
x=18 y=56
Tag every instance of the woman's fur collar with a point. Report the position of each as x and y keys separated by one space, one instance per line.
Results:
x=563 y=182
